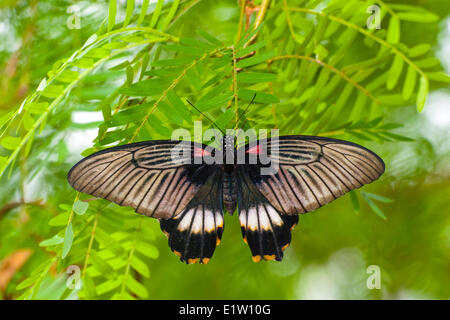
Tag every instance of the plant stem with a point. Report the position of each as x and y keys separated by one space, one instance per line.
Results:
x=330 y=67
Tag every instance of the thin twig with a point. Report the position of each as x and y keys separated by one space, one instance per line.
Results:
x=366 y=33
x=91 y=242
x=330 y=67
x=164 y=94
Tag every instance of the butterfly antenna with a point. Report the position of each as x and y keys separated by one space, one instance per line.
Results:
x=208 y=118
x=244 y=112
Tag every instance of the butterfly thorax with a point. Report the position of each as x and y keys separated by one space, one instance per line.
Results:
x=229 y=176
x=228 y=150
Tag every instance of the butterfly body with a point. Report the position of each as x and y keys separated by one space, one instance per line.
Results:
x=229 y=177
x=187 y=189
x=229 y=190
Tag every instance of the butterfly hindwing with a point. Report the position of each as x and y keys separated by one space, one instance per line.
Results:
x=145 y=176
x=264 y=229
x=194 y=234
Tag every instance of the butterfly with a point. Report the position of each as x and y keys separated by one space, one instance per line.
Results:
x=269 y=181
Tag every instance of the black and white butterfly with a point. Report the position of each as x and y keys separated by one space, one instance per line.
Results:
x=188 y=194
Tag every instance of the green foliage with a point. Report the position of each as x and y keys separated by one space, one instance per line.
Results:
x=314 y=66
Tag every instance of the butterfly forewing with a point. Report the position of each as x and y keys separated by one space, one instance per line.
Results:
x=156 y=178
x=312 y=171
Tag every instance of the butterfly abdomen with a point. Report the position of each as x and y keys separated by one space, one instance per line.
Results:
x=229 y=192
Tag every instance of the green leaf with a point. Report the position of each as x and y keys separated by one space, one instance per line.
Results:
x=419 y=50
x=155 y=124
x=59 y=220
x=122 y=296
x=99 y=53
x=424 y=16
x=120 y=66
x=423 y=93
x=68 y=239
x=3 y=161
x=112 y=14
x=195 y=43
x=245 y=51
x=428 y=62
x=116 y=135
x=397 y=137
x=80 y=207
x=102 y=266
x=84 y=63
x=190 y=51
x=140 y=266
x=108 y=285
x=373 y=206
x=172 y=62
x=359 y=135
x=127 y=116
x=171 y=14
x=137 y=288
x=36 y=107
x=26 y=283
x=392 y=99
x=225 y=118
x=68 y=76
x=89 y=287
x=261 y=97
x=130 y=75
x=395 y=72
x=6 y=117
x=11 y=143
x=52 y=91
x=257 y=59
x=143 y=12
x=179 y=106
x=144 y=88
x=255 y=77
x=355 y=202
x=410 y=83
x=215 y=102
x=210 y=38
x=378 y=197
x=214 y=92
x=129 y=12
x=439 y=76
x=133 y=39
x=194 y=79
x=393 y=35
x=55 y=240
x=170 y=113
x=156 y=13
x=147 y=249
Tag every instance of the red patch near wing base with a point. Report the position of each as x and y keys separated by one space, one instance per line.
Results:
x=199 y=152
x=254 y=150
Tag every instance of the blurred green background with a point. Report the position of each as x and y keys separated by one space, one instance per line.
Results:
x=331 y=247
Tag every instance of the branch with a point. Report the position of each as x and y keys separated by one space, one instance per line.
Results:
x=164 y=94
x=330 y=67
x=366 y=33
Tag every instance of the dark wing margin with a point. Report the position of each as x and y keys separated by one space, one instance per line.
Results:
x=194 y=234
x=264 y=229
x=144 y=176
x=312 y=171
